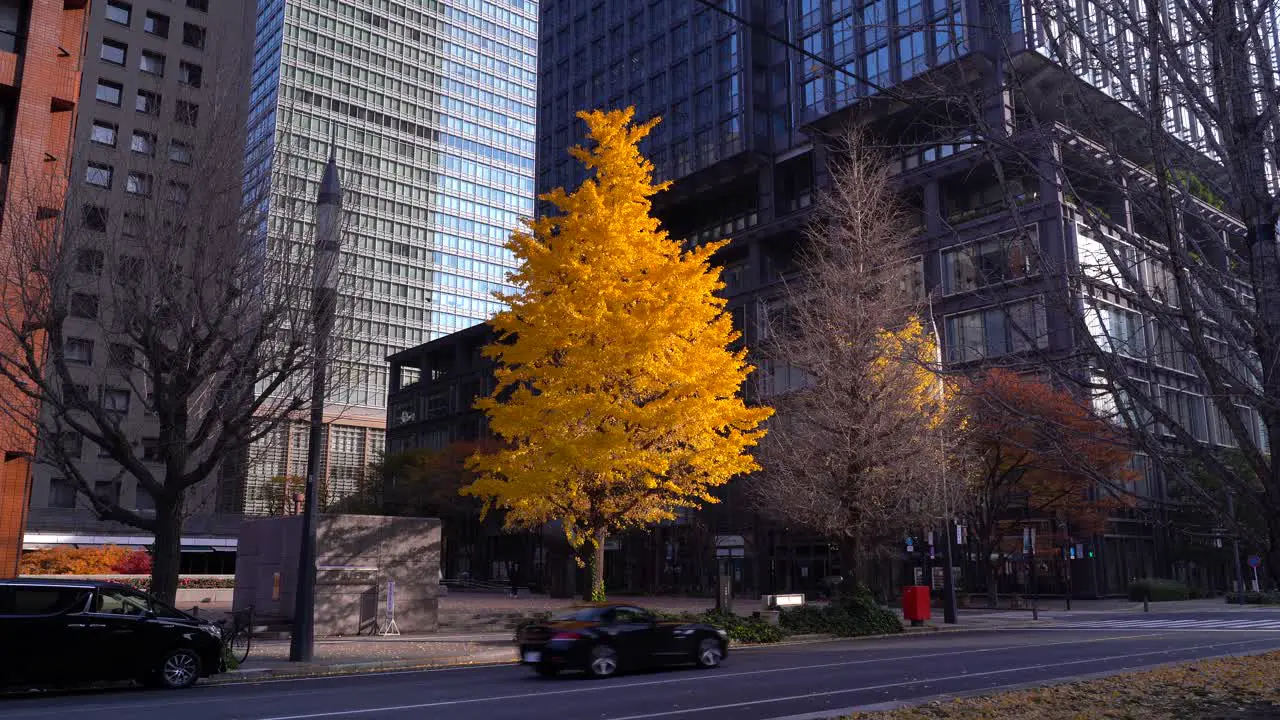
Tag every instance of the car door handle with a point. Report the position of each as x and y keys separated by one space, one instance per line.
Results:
x=76 y=625
x=97 y=625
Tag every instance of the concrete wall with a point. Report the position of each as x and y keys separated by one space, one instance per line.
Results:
x=357 y=555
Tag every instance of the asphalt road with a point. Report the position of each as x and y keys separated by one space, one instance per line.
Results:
x=815 y=680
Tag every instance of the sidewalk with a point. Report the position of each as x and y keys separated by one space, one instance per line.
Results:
x=341 y=656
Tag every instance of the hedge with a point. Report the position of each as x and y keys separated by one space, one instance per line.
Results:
x=1256 y=598
x=1158 y=590
x=845 y=617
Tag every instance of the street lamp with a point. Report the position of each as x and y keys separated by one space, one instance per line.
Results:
x=324 y=301
x=948 y=573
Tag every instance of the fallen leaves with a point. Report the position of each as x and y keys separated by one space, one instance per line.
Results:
x=1235 y=688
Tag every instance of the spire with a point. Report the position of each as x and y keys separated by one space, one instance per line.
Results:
x=330 y=186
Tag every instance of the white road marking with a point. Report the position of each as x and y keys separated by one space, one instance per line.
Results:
x=885 y=686
x=1202 y=624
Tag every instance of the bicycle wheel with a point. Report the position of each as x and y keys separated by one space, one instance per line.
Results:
x=240 y=642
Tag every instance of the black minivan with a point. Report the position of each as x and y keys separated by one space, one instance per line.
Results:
x=68 y=631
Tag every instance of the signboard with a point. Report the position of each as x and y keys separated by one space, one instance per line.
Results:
x=275 y=586
x=1255 y=561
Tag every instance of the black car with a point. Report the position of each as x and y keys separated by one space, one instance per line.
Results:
x=59 y=632
x=605 y=639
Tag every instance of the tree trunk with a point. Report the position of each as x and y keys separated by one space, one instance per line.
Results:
x=166 y=553
x=989 y=577
x=852 y=567
x=595 y=592
x=1271 y=565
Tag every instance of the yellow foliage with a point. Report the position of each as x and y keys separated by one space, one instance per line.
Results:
x=616 y=394
x=101 y=560
x=910 y=355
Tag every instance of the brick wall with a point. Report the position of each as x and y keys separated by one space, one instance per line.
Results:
x=44 y=123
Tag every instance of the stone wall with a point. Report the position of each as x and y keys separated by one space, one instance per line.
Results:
x=356 y=557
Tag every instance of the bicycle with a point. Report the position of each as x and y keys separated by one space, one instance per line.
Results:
x=238 y=637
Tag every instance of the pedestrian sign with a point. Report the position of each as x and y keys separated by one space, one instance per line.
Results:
x=1254 y=561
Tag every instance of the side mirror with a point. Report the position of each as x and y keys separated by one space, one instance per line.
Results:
x=148 y=615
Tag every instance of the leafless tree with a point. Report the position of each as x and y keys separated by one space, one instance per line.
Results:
x=855 y=452
x=162 y=310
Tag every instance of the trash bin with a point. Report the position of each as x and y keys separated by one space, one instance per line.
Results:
x=915 y=604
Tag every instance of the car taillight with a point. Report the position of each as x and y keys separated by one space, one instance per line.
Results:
x=565 y=637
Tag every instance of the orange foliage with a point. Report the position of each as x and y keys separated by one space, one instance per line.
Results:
x=102 y=560
x=1041 y=448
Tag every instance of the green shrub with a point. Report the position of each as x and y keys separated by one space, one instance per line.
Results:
x=1255 y=598
x=845 y=617
x=1158 y=590
x=741 y=629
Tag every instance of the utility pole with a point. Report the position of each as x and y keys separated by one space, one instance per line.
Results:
x=324 y=302
x=1235 y=544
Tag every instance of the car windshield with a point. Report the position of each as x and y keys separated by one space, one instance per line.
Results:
x=590 y=614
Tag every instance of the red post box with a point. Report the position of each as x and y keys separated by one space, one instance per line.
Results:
x=915 y=603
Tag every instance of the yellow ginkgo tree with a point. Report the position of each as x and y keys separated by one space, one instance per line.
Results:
x=617 y=395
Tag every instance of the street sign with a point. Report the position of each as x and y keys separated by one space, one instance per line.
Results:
x=1254 y=561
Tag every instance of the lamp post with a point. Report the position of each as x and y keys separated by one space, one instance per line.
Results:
x=324 y=300
x=948 y=572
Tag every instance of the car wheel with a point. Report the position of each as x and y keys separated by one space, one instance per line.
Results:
x=603 y=662
x=546 y=670
x=178 y=669
x=710 y=653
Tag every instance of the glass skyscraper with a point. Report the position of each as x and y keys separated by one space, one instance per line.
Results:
x=431 y=106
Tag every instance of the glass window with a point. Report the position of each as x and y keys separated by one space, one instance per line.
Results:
x=113 y=51
x=147 y=103
x=115 y=400
x=151 y=63
x=43 y=600
x=201 y=5
x=98 y=174
x=143 y=143
x=103 y=133
x=109 y=92
x=913 y=54
x=120 y=602
x=190 y=74
x=78 y=350
x=186 y=113
x=119 y=12
x=143 y=501
x=180 y=153
x=62 y=493
x=156 y=24
x=83 y=305
x=89 y=261
x=875 y=23
x=192 y=35
x=877 y=62
x=138 y=183
x=108 y=490
x=94 y=217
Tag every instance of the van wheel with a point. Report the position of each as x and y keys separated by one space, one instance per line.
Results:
x=177 y=669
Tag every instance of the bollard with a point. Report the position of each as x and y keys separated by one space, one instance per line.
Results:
x=1146 y=601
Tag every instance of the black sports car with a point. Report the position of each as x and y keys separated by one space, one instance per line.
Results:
x=605 y=639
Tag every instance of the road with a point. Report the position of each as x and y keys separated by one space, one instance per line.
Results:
x=781 y=682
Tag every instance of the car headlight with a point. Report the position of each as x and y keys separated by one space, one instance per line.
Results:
x=213 y=630
x=722 y=633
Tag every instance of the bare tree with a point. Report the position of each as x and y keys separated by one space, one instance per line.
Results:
x=855 y=452
x=164 y=311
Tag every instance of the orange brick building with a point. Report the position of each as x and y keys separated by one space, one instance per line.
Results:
x=41 y=45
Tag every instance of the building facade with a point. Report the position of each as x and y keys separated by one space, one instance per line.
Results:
x=430 y=107
x=40 y=57
x=743 y=116
x=158 y=79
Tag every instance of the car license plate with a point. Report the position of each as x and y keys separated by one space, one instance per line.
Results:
x=532 y=657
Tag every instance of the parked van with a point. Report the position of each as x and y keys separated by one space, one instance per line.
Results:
x=74 y=631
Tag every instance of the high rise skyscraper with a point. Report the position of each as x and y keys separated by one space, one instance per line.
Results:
x=431 y=106
x=157 y=80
